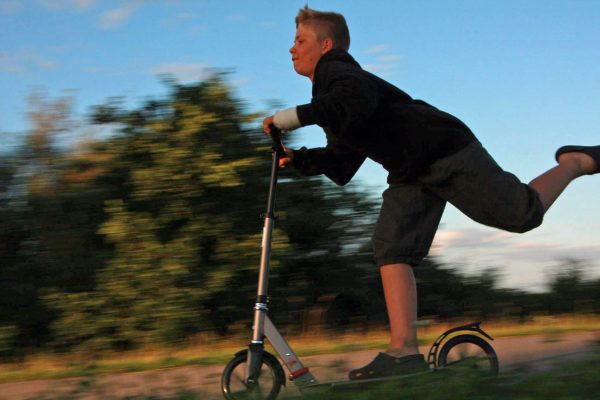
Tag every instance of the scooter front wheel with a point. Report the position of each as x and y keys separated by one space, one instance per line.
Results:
x=469 y=352
x=266 y=387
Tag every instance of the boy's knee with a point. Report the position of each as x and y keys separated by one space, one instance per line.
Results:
x=388 y=252
x=521 y=219
x=528 y=224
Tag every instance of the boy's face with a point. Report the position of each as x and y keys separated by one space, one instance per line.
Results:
x=307 y=50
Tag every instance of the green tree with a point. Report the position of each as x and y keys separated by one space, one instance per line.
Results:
x=42 y=244
x=569 y=290
x=192 y=181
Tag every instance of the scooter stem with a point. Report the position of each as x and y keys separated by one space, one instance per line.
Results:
x=265 y=256
x=256 y=346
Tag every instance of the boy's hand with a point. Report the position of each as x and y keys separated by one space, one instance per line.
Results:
x=289 y=153
x=289 y=157
x=266 y=122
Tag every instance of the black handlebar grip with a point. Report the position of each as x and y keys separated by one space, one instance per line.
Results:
x=276 y=137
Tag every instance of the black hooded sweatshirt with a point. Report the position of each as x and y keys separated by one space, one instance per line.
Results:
x=365 y=116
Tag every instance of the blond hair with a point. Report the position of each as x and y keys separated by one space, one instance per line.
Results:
x=326 y=25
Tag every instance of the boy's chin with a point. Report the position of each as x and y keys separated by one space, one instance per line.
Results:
x=301 y=72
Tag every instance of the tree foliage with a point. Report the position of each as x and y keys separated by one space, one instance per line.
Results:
x=185 y=228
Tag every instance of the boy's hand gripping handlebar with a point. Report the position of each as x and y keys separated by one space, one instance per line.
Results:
x=276 y=137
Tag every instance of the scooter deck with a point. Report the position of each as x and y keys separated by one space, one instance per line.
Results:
x=360 y=383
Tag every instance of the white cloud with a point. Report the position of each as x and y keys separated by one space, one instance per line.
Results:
x=505 y=247
x=83 y=4
x=383 y=64
x=378 y=48
x=117 y=16
x=24 y=62
x=473 y=238
x=528 y=244
x=379 y=67
x=182 y=72
x=524 y=261
x=184 y=16
x=389 y=58
x=544 y=252
x=8 y=64
x=67 y=4
x=10 y=6
x=240 y=82
x=239 y=17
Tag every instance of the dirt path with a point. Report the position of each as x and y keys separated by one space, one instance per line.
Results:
x=204 y=381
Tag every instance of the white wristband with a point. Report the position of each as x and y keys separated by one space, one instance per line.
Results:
x=287 y=120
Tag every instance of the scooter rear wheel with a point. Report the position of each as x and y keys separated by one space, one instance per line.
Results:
x=469 y=352
x=266 y=387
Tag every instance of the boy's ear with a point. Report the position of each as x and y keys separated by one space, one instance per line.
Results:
x=326 y=45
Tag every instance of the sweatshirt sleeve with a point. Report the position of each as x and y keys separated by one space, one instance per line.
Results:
x=337 y=163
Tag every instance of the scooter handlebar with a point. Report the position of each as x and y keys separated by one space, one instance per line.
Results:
x=276 y=137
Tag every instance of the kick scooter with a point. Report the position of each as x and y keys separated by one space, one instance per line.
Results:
x=254 y=373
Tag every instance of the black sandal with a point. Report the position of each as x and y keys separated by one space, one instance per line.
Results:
x=592 y=151
x=386 y=365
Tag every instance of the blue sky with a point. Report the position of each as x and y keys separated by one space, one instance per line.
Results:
x=524 y=75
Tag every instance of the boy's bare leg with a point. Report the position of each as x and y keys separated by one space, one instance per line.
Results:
x=400 y=290
x=551 y=184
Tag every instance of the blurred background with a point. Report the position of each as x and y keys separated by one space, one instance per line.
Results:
x=133 y=173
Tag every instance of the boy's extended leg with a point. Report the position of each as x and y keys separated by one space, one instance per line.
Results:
x=551 y=184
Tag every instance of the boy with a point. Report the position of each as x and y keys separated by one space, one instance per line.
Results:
x=431 y=157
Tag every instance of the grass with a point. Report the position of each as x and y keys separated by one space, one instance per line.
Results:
x=52 y=366
x=571 y=380
x=574 y=380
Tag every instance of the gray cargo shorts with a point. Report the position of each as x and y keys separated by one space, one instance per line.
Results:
x=471 y=181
